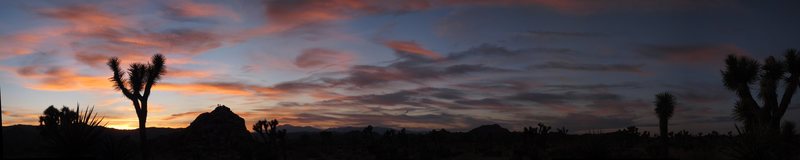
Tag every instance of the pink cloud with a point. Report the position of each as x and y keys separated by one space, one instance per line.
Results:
x=183 y=115
x=583 y=7
x=289 y=15
x=94 y=34
x=321 y=57
x=85 y=17
x=412 y=48
x=693 y=54
x=181 y=73
x=191 y=10
x=60 y=79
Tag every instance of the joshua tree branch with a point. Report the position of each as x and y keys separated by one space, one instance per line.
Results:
x=747 y=98
x=119 y=82
x=773 y=72
x=156 y=69
x=137 y=106
x=791 y=88
x=793 y=66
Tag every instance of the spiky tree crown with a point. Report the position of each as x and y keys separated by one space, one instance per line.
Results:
x=141 y=77
x=665 y=105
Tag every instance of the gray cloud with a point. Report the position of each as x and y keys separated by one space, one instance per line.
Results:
x=635 y=68
x=320 y=57
x=691 y=54
x=561 y=98
x=572 y=87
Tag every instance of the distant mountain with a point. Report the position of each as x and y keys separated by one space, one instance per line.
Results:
x=494 y=129
x=28 y=142
x=298 y=129
x=25 y=139
x=152 y=132
x=346 y=129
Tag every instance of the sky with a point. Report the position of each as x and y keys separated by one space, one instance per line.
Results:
x=586 y=65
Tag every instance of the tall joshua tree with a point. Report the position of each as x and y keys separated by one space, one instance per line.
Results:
x=762 y=115
x=273 y=138
x=136 y=87
x=741 y=71
x=665 y=106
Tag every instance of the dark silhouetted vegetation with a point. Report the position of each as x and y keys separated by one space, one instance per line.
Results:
x=485 y=142
x=70 y=133
x=136 y=87
x=273 y=139
x=665 y=106
x=763 y=136
x=117 y=147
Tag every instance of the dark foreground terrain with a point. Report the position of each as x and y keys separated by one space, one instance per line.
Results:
x=221 y=134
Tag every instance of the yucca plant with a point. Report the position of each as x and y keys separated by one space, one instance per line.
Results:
x=71 y=133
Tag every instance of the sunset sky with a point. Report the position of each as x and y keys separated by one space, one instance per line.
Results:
x=421 y=64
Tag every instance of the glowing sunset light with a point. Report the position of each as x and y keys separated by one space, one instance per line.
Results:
x=421 y=64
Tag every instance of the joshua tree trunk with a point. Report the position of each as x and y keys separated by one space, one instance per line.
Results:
x=663 y=124
x=143 y=129
x=665 y=107
x=143 y=137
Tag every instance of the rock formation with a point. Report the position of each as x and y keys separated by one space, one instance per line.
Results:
x=219 y=134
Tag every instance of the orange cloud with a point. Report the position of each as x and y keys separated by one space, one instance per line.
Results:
x=205 y=88
x=692 y=54
x=180 y=73
x=411 y=48
x=31 y=41
x=288 y=15
x=95 y=34
x=185 y=41
x=97 y=56
x=182 y=115
x=61 y=79
x=19 y=44
x=12 y=118
x=131 y=123
x=219 y=88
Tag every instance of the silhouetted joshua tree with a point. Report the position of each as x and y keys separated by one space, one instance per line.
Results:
x=536 y=140
x=665 y=106
x=741 y=71
x=762 y=129
x=141 y=78
x=271 y=136
x=71 y=133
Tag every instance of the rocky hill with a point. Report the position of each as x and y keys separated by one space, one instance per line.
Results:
x=219 y=134
x=494 y=129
